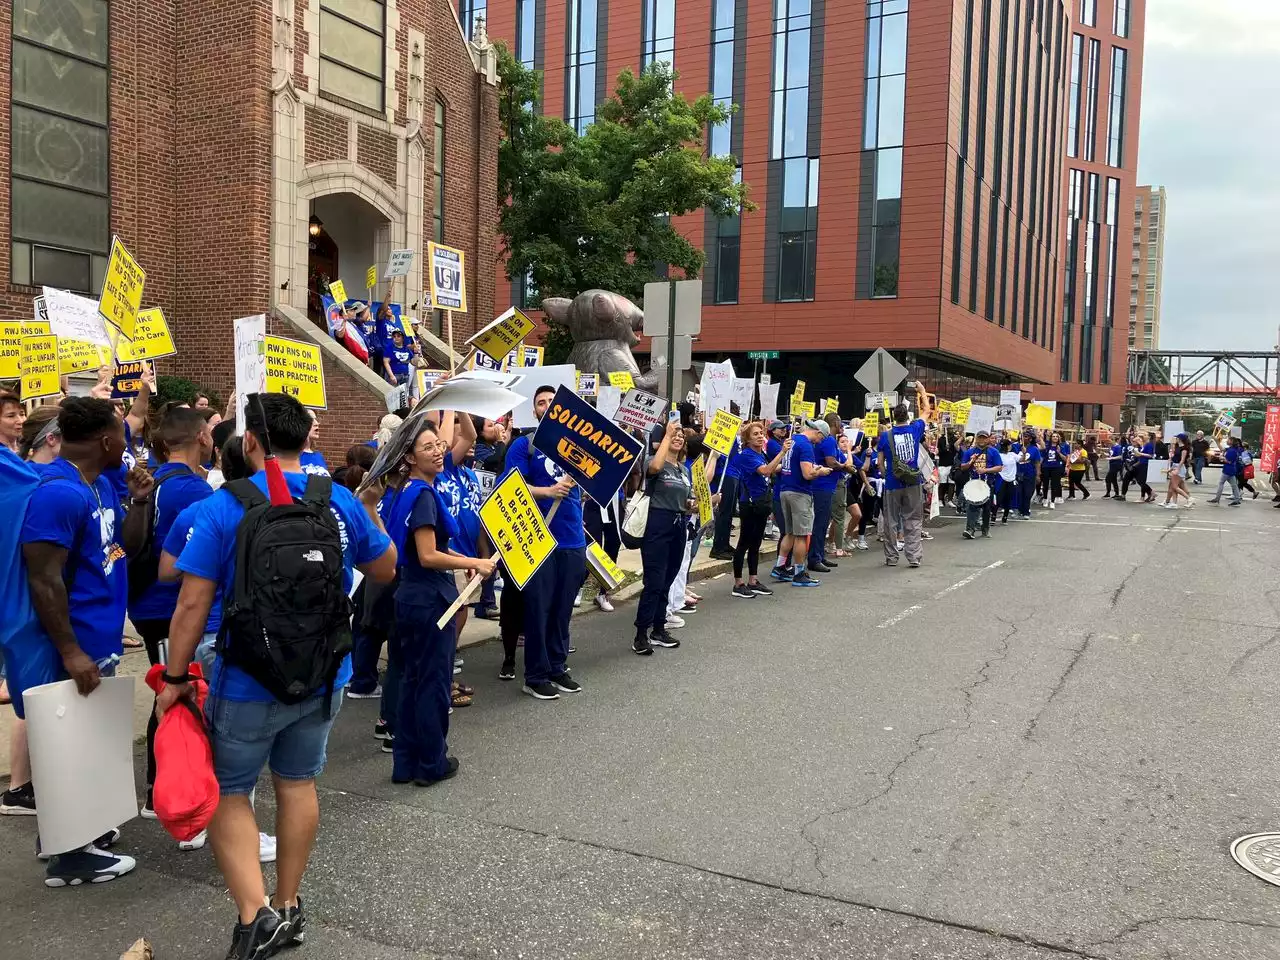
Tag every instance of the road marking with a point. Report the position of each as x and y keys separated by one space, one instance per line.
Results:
x=916 y=607
x=1144 y=526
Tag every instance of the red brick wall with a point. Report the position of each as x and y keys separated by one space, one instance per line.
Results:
x=326 y=137
x=376 y=150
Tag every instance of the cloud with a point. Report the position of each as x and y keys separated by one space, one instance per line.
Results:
x=1210 y=133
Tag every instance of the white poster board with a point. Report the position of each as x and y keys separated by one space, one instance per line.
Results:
x=398 y=264
x=769 y=401
x=1157 y=470
x=1171 y=429
x=639 y=410
x=742 y=395
x=608 y=400
x=560 y=375
x=81 y=760
x=716 y=386
x=73 y=317
x=251 y=361
x=980 y=418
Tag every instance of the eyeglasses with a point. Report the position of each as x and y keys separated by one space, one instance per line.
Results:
x=431 y=446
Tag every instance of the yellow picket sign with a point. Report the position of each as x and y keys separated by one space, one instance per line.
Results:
x=799 y=394
x=871 y=424
x=833 y=405
x=11 y=334
x=722 y=431
x=150 y=341
x=75 y=356
x=702 y=491
x=960 y=411
x=502 y=335
x=295 y=368
x=887 y=413
x=371 y=277
x=516 y=528
x=601 y=564
x=338 y=292
x=622 y=379
x=1038 y=416
x=531 y=356
x=407 y=327
x=121 y=297
x=39 y=364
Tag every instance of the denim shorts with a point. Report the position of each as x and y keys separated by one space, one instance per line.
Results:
x=249 y=734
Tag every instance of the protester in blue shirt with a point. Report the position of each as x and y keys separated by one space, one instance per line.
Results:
x=898 y=453
x=248 y=727
x=371 y=330
x=776 y=437
x=826 y=453
x=982 y=462
x=862 y=492
x=135 y=422
x=1029 y=462
x=398 y=359
x=310 y=459
x=1053 y=469
x=1140 y=459
x=74 y=541
x=1231 y=473
x=548 y=596
x=755 y=502
x=721 y=548
x=1115 y=465
x=800 y=468
x=459 y=490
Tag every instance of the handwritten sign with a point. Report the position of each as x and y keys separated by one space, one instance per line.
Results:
x=398 y=265
x=74 y=317
x=622 y=379
x=448 y=277
x=516 y=528
x=121 y=297
x=338 y=291
x=39 y=364
x=295 y=368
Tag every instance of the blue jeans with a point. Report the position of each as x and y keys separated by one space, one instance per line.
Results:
x=548 y=605
x=425 y=674
x=247 y=735
x=661 y=553
x=1198 y=466
x=821 y=520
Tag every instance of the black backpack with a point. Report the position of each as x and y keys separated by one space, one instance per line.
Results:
x=144 y=566
x=286 y=621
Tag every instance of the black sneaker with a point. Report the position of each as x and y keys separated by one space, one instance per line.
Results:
x=388 y=744
x=487 y=613
x=830 y=563
x=380 y=731
x=450 y=772
x=297 y=923
x=87 y=865
x=804 y=580
x=742 y=590
x=566 y=684
x=818 y=567
x=781 y=574
x=968 y=534
x=640 y=645
x=660 y=638
x=262 y=938
x=507 y=671
x=760 y=590
x=721 y=554
x=21 y=801
x=542 y=691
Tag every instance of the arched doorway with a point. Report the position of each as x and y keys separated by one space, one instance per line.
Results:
x=346 y=235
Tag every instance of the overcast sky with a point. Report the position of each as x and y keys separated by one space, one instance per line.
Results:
x=1211 y=135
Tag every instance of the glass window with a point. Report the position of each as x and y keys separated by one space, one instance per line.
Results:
x=60 y=164
x=580 y=64
x=727 y=260
x=791 y=50
x=659 y=41
x=885 y=113
x=791 y=270
x=798 y=233
x=352 y=51
x=526 y=31
x=1121 y=26
x=1073 y=96
x=469 y=11
x=1115 y=132
x=1091 y=101
x=1089 y=12
x=437 y=213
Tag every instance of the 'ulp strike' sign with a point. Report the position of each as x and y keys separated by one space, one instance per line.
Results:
x=593 y=450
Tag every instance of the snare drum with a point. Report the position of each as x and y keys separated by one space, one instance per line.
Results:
x=976 y=492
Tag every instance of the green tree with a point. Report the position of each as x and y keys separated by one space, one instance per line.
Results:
x=578 y=212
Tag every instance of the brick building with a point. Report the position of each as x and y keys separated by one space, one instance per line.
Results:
x=907 y=159
x=1150 y=210
x=241 y=151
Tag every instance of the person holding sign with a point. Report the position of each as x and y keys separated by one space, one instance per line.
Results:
x=662 y=551
x=548 y=596
x=755 y=504
x=420 y=523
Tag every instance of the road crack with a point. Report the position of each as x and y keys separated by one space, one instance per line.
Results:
x=1030 y=733
x=1138 y=925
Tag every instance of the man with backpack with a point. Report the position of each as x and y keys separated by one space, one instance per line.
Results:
x=898 y=455
x=75 y=539
x=284 y=566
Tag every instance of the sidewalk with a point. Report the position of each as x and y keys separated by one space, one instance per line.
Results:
x=477 y=631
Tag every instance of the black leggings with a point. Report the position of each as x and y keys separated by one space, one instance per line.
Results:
x=1248 y=485
x=510 y=616
x=1051 y=482
x=1113 y=482
x=1075 y=481
x=870 y=504
x=604 y=532
x=1138 y=476
x=1005 y=501
x=153 y=633
x=753 y=520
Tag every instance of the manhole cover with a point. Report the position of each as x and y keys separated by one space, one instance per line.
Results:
x=1259 y=853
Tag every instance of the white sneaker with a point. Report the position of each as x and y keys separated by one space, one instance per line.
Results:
x=1052 y=506
x=266 y=848
x=675 y=622
x=577 y=600
x=602 y=601
x=861 y=544
x=1170 y=505
x=195 y=843
x=373 y=694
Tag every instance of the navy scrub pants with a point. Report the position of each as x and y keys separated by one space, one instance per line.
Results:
x=724 y=516
x=1026 y=492
x=548 y=605
x=661 y=554
x=821 y=521
x=423 y=700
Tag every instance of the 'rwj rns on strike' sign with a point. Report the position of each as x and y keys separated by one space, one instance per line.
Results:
x=587 y=445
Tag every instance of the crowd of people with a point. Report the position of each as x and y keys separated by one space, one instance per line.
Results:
x=147 y=513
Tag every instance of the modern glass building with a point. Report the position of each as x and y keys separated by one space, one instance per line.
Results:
x=909 y=161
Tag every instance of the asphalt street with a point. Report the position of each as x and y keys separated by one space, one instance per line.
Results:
x=1036 y=746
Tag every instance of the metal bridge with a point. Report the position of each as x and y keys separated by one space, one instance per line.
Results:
x=1205 y=373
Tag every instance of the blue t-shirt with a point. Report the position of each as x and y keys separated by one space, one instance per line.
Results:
x=1027 y=459
x=18 y=481
x=901 y=442
x=176 y=541
x=1054 y=457
x=750 y=482
x=1117 y=450
x=459 y=492
x=976 y=458
x=369 y=330
x=84 y=519
x=1231 y=462
x=1149 y=449
x=313 y=462
x=538 y=471
x=827 y=447
x=211 y=554
x=399 y=358
x=127 y=462
x=183 y=488
x=792 y=475
x=729 y=463
x=772 y=448
x=418 y=504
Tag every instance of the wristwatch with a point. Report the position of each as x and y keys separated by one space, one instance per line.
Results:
x=175 y=681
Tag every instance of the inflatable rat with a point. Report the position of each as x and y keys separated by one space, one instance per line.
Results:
x=604 y=327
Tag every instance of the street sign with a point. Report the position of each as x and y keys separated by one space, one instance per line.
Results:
x=763 y=354
x=881 y=373
x=876 y=401
x=683 y=358
x=688 y=308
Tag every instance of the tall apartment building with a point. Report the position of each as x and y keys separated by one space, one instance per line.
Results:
x=245 y=152
x=1150 y=205
x=907 y=159
x=1104 y=81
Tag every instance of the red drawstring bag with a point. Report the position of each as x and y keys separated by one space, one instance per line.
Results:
x=185 y=794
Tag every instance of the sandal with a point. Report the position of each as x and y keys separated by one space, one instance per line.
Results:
x=463 y=689
x=131 y=643
x=461 y=699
